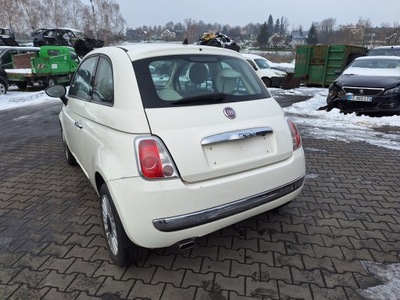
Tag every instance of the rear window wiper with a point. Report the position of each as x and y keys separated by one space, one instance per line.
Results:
x=201 y=99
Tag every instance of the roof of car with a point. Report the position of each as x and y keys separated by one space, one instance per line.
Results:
x=377 y=57
x=253 y=56
x=387 y=47
x=19 y=48
x=144 y=50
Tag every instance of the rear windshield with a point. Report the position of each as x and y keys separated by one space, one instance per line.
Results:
x=196 y=80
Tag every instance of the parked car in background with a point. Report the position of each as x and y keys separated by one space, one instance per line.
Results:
x=7 y=32
x=370 y=84
x=7 y=53
x=271 y=77
x=178 y=140
x=66 y=37
x=3 y=81
x=385 y=50
x=7 y=37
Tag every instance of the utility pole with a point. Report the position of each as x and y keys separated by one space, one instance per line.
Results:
x=94 y=18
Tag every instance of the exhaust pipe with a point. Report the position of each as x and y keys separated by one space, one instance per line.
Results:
x=186 y=245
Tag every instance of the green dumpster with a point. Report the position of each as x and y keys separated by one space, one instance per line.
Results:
x=320 y=65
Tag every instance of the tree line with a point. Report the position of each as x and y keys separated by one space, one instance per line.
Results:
x=275 y=33
x=102 y=18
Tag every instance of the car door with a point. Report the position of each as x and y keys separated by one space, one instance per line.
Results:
x=95 y=85
x=73 y=114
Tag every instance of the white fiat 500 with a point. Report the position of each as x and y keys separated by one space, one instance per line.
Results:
x=178 y=141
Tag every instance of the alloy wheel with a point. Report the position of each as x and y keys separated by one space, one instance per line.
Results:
x=109 y=225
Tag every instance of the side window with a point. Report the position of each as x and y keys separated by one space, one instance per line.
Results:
x=6 y=60
x=53 y=52
x=81 y=83
x=103 y=88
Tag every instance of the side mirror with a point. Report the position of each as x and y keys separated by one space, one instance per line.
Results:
x=57 y=91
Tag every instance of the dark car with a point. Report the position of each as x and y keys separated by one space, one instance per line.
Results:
x=369 y=85
x=66 y=37
x=3 y=81
x=7 y=37
x=385 y=50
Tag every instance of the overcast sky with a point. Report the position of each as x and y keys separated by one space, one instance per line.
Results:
x=239 y=13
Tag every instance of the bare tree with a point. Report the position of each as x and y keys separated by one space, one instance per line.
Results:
x=327 y=25
x=74 y=13
x=191 y=30
x=31 y=15
x=7 y=12
x=108 y=19
x=55 y=11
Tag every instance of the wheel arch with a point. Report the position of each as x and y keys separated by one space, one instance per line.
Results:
x=99 y=181
x=267 y=81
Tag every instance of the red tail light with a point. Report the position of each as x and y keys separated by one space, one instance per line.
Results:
x=154 y=160
x=296 y=137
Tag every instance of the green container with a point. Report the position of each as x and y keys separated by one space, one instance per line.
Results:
x=320 y=65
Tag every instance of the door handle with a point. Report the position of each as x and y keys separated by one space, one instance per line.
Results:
x=79 y=125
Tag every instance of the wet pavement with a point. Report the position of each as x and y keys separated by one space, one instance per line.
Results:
x=52 y=245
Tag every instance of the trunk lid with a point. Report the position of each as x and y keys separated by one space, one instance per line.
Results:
x=207 y=144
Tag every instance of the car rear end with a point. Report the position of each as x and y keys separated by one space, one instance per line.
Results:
x=219 y=148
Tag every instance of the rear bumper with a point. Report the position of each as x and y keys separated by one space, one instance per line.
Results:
x=219 y=212
x=162 y=213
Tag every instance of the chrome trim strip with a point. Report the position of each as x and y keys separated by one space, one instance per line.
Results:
x=236 y=135
x=180 y=222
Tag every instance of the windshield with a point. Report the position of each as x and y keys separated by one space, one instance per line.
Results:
x=262 y=63
x=196 y=80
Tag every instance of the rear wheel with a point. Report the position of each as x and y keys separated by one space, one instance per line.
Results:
x=3 y=87
x=122 y=251
x=22 y=85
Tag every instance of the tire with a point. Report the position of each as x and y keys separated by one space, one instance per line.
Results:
x=22 y=85
x=122 y=251
x=3 y=87
x=267 y=82
x=68 y=155
x=51 y=81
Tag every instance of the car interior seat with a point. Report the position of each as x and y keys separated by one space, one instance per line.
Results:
x=198 y=73
x=227 y=80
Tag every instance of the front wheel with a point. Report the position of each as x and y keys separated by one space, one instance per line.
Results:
x=51 y=81
x=267 y=82
x=122 y=251
x=3 y=87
